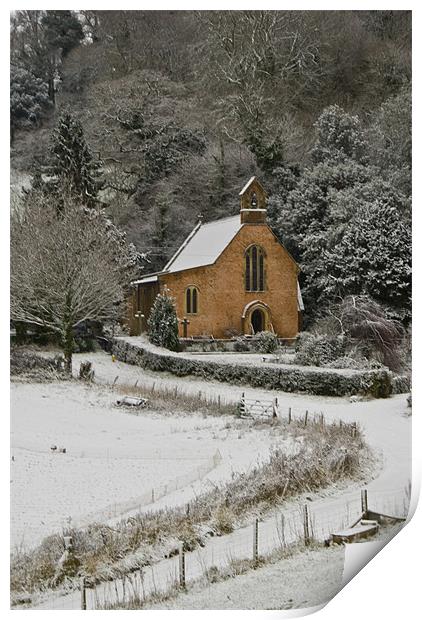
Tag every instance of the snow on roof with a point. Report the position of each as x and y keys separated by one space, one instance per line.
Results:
x=204 y=245
x=246 y=186
x=146 y=280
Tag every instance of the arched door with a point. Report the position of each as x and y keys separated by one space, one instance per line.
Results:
x=258 y=321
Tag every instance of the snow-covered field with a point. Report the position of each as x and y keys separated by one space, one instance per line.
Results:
x=113 y=458
x=84 y=420
x=307 y=580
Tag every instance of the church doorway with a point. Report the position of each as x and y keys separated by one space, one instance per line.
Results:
x=258 y=321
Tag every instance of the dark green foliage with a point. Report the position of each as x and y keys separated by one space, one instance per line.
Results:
x=29 y=101
x=265 y=342
x=162 y=323
x=373 y=257
x=72 y=162
x=339 y=137
x=62 y=30
x=318 y=350
x=288 y=379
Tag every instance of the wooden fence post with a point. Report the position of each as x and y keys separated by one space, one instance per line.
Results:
x=152 y=496
x=306 y=417
x=290 y=415
x=364 y=500
x=182 y=567
x=219 y=401
x=242 y=404
x=275 y=407
x=306 y=525
x=83 y=593
x=255 y=542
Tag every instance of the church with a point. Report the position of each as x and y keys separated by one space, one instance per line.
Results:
x=229 y=277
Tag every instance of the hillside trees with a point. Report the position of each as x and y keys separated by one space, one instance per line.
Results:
x=347 y=226
x=39 y=40
x=66 y=268
x=29 y=100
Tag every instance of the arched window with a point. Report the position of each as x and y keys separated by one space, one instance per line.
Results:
x=254 y=268
x=191 y=300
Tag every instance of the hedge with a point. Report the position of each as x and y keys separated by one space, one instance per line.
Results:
x=376 y=383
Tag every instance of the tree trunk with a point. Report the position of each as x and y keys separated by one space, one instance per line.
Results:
x=68 y=349
x=68 y=335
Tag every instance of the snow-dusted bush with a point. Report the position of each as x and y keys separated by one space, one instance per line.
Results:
x=318 y=349
x=265 y=342
x=35 y=366
x=162 y=323
x=328 y=382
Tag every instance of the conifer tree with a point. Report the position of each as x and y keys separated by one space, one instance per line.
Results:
x=162 y=323
x=73 y=164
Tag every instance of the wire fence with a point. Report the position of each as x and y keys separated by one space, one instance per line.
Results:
x=117 y=511
x=250 y=544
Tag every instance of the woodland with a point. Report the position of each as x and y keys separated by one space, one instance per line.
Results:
x=158 y=117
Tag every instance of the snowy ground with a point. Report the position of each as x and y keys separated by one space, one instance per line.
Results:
x=306 y=580
x=113 y=458
x=385 y=423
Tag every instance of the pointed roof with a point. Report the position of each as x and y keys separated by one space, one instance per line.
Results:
x=249 y=183
x=204 y=245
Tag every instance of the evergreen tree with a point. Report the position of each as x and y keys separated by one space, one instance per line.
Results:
x=62 y=31
x=162 y=323
x=372 y=257
x=339 y=137
x=29 y=100
x=72 y=163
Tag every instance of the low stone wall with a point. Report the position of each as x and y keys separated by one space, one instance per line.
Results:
x=376 y=383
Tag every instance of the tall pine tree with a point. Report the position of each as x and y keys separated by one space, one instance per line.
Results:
x=72 y=161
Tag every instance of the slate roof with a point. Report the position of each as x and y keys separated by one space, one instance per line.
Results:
x=204 y=244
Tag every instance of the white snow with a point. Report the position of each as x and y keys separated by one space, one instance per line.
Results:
x=113 y=458
x=387 y=429
x=204 y=245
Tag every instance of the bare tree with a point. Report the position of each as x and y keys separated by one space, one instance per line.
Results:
x=67 y=267
x=365 y=322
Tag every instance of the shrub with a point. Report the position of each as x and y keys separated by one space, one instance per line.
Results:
x=224 y=520
x=288 y=379
x=32 y=365
x=319 y=350
x=265 y=342
x=162 y=323
x=241 y=345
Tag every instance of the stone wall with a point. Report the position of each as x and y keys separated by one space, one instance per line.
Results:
x=222 y=295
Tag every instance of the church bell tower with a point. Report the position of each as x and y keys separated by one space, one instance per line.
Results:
x=253 y=203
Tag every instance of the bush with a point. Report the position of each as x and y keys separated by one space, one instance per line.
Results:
x=224 y=520
x=32 y=365
x=162 y=323
x=327 y=382
x=265 y=342
x=241 y=345
x=319 y=350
